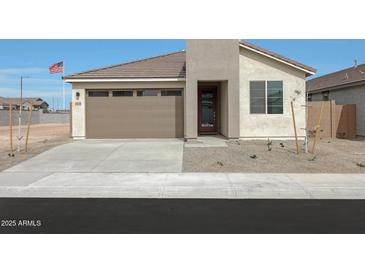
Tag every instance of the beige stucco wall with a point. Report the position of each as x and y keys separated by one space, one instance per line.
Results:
x=78 y=114
x=352 y=95
x=225 y=62
x=79 y=107
x=212 y=60
x=223 y=108
x=257 y=67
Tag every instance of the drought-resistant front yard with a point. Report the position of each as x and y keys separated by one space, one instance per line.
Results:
x=41 y=138
x=331 y=156
x=334 y=156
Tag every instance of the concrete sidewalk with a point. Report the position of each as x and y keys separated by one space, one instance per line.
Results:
x=183 y=185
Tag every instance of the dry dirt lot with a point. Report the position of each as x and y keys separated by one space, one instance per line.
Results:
x=334 y=156
x=41 y=138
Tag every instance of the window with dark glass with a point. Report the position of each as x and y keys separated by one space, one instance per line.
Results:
x=147 y=92
x=98 y=93
x=325 y=96
x=257 y=97
x=275 y=97
x=266 y=97
x=170 y=92
x=123 y=93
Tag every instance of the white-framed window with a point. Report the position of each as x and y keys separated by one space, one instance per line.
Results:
x=266 y=97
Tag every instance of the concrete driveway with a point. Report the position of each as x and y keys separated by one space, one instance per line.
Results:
x=153 y=169
x=133 y=155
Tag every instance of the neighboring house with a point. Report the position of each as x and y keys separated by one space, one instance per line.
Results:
x=40 y=104
x=345 y=87
x=37 y=103
x=225 y=87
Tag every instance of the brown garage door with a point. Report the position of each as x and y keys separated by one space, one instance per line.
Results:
x=123 y=114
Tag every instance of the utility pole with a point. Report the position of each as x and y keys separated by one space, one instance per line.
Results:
x=20 y=112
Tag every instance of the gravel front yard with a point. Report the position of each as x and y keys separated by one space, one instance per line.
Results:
x=335 y=156
x=41 y=138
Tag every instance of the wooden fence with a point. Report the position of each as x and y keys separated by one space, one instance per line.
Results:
x=337 y=121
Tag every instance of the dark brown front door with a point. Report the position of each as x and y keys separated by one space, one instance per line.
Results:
x=207 y=110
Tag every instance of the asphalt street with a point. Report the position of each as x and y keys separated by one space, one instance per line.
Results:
x=99 y=215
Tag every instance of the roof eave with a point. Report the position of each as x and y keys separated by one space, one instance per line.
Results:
x=110 y=79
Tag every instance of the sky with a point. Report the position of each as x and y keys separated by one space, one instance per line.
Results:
x=33 y=57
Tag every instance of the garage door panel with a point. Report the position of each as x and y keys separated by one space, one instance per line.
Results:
x=134 y=117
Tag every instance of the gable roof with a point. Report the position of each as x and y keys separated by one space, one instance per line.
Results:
x=167 y=66
x=309 y=70
x=170 y=65
x=349 y=76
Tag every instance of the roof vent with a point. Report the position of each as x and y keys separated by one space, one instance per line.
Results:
x=355 y=63
x=346 y=76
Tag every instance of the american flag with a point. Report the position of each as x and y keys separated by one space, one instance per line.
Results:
x=56 y=68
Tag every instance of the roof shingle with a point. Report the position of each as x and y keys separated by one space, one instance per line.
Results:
x=170 y=65
x=347 y=76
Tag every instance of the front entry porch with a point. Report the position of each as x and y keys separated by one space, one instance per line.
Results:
x=211 y=107
x=208 y=141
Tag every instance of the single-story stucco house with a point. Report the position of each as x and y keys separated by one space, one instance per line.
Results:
x=36 y=103
x=226 y=87
x=344 y=87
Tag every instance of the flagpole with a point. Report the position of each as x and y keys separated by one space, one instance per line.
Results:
x=63 y=87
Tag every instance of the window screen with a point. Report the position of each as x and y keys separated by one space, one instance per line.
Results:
x=257 y=97
x=147 y=93
x=122 y=93
x=170 y=92
x=274 y=97
x=98 y=93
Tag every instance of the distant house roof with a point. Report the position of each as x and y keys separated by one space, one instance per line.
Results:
x=170 y=65
x=16 y=101
x=350 y=76
x=39 y=103
x=309 y=70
